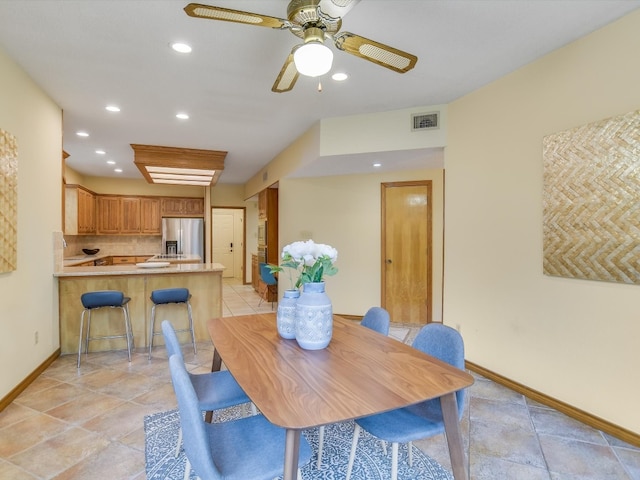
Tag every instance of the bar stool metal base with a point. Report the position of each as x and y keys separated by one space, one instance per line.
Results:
x=101 y=299
x=165 y=297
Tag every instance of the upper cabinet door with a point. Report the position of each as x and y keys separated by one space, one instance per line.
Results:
x=108 y=215
x=130 y=219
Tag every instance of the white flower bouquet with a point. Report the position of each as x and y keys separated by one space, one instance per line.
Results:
x=311 y=261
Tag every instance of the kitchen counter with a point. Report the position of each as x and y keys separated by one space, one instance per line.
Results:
x=204 y=281
x=109 y=270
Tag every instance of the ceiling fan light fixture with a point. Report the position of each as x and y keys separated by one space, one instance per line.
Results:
x=313 y=59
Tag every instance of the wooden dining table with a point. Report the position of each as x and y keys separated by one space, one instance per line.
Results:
x=360 y=373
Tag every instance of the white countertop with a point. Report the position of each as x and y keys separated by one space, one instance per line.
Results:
x=129 y=269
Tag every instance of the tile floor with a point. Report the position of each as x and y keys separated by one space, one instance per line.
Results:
x=87 y=424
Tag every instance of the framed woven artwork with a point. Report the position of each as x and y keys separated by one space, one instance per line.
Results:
x=8 y=201
x=591 y=201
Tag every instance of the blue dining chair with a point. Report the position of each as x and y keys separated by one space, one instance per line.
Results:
x=378 y=320
x=424 y=419
x=249 y=447
x=214 y=390
x=268 y=279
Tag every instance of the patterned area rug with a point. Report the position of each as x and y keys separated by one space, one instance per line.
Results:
x=161 y=435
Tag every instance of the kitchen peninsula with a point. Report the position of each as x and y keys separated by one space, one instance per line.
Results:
x=204 y=281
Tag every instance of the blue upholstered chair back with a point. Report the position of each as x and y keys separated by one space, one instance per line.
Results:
x=377 y=318
x=196 y=441
x=171 y=340
x=266 y=275
x=446 y=344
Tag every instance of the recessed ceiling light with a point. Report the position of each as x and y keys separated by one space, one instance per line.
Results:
x=82 y=134
x=112 y=108
x=100 y=152
x=182 y=116
x=181 y=47
x=339 y=76
x=117 y=170
x=111 y=162
x=377 y=165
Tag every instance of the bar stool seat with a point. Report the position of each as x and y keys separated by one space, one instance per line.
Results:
x=168 y=296
x=100 y=299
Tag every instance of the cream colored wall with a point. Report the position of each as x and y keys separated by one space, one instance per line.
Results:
x=345 y=212
x=28 y=295
x=574 y=340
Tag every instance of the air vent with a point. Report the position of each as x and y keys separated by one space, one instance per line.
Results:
x=425 y=121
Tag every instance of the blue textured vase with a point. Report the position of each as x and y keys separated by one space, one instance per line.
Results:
x=286 y=316
x=314 y=317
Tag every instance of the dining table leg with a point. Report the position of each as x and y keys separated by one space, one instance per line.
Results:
x=216 y=366
x=291 y=454
x=449 y=406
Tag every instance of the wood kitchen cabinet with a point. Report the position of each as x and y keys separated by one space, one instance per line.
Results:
x=128 y=260
x=130 y=220
x=150 y=219
x=124 y=215
x=80 y=211
x=108 y=214
x=181 y=207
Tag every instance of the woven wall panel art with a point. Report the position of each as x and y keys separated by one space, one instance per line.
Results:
x=8 y=201
x=591 y=201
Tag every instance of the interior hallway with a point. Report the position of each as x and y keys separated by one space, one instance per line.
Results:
x=87 y=424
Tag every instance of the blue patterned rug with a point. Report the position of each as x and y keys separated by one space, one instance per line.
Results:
x=161 y=435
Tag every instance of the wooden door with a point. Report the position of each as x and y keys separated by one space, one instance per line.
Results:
x=406 y=251
x=227 y=240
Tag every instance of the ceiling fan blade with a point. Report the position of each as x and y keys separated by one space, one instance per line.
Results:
x=226 y=14
x=375 y=52
x=287 y=76
x=337 y=8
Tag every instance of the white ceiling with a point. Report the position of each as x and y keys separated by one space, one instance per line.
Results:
x=89 y=53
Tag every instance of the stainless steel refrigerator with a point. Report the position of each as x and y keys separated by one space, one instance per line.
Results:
x=185 y=235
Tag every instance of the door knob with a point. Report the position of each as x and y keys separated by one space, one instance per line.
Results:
x=388 y=260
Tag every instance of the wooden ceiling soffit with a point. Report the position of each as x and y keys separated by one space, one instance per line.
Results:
x=179 y=166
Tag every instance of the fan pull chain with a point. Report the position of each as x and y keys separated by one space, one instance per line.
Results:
x=319 y=87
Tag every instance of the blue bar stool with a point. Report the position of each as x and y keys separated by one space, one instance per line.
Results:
x=164 y=297
x=100 y=299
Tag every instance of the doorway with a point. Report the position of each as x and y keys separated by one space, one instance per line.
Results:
x=227 y=241
x=407 y=251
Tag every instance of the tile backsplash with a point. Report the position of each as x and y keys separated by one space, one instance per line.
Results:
x=114 y=244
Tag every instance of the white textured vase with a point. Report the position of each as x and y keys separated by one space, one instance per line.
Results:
x=286 y=315
x=314 y=317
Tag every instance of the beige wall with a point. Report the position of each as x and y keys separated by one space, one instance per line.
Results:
x=28 y=295
x=345 y=212
x=574 y=340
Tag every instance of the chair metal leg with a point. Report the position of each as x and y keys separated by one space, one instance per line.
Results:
x=187 y=470
x=320 y=445
x=352 y=455
x=178 y=444
x=152 y=327
x=86 y=342
x=410 y=448
x=127 y=329
x=80 y=337
x=193 y=333
x=394 y=461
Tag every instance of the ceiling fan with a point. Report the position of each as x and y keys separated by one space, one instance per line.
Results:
x=314 y=21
